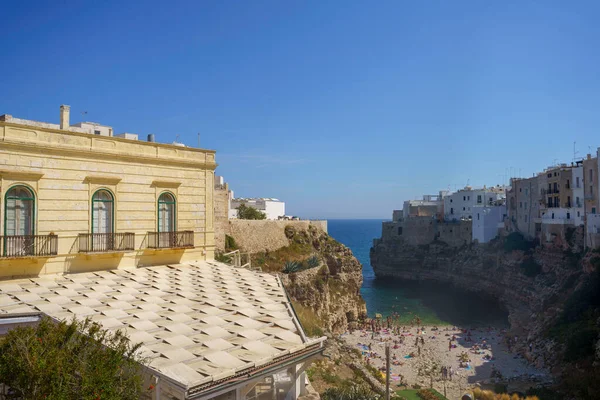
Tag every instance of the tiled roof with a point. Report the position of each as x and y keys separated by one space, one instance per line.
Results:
x=199 y=323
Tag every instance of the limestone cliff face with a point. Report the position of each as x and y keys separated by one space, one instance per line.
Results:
x=532 y=284
x=331 y=291
x=327 y=296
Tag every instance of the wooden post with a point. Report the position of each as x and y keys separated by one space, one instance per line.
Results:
x=387 y=371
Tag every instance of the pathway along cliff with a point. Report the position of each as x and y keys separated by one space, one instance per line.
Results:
x=551 y=292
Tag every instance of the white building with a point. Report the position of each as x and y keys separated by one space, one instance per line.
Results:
x=459 y=205
x=486 y=221
x=94 y=128
x=273 y=208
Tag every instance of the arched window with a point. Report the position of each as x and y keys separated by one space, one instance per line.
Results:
x=19 y=209
x=102 y=212
x=166 y=213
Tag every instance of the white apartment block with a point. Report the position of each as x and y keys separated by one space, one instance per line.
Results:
x=459 y=205
x=273 y=208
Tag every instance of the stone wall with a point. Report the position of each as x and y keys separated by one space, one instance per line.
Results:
x=455 y=234
x=253 y=236
x=221 y=199
x=419 y=230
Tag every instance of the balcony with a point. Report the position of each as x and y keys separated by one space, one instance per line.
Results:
x=106 y=242
x=171 y=240
x=29 y=246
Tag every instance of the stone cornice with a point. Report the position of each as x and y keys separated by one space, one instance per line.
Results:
x=36 y=147
x=102 y=180
x=115 y=138
x=21 y=174
x=166 y=184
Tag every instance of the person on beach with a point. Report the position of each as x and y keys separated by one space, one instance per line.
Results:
x=450 y=372
x=450 y=345
x=422 y=340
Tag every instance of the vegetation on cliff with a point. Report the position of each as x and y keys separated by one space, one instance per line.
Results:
x=321 y=276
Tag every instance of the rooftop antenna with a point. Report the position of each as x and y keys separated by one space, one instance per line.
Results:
x=574 y=152
x=82 y=114
x=198 y=139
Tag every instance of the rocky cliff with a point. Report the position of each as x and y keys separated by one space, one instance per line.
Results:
x=536 y=284
x=323 y=277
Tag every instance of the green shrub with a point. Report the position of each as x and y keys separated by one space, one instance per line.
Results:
x=230 y=243
x=249 y=212
x=429 y=394
x=220 y=257
x=312 y=262
x=530 y=267
x=350 y=392
x=516 y=241
x=290 y=267
x=76 y=360
x=376 y=373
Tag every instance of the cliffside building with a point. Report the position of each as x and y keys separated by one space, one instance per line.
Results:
x=591 y=195
x=459 y=205
x=430 y=205
x=273 y=208
x=561 y=197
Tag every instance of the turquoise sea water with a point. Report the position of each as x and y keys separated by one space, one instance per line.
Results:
x=433 y=303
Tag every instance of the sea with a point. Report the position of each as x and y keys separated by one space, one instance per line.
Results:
x=433 y=304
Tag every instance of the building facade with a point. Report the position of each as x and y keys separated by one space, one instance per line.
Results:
x=523 y=205
x=487 y=220
x=71 y=201
x=459 y=205
x=429 y=206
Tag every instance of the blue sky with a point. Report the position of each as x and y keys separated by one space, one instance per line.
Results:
x=342 y=109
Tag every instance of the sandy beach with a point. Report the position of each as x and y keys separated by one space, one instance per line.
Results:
x=484 y=348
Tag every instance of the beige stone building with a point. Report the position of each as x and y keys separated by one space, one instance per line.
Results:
x=73 y=201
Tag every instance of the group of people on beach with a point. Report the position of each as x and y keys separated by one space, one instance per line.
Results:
x=447 y=372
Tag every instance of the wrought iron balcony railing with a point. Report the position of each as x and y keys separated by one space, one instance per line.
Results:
x=171 y=240
x=29 y=246
x=106 y=242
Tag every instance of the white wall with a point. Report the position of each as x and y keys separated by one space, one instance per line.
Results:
x=485 y=222
x=91 y=127
x=274 y=209
x=558 y=215
x=460 y=204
